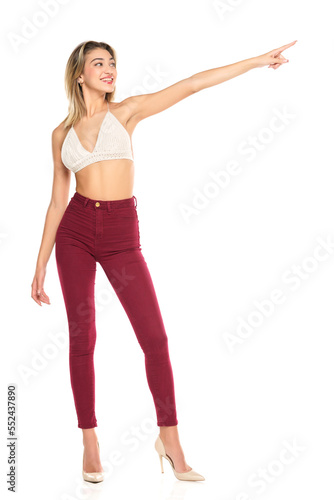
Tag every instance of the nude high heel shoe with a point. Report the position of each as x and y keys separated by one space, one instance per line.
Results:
x=183 y=476
x=92 y=477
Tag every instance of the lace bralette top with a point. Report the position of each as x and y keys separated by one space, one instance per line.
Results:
x=113 y=142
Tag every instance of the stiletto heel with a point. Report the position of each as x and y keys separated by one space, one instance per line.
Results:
x=191 y=475
x=92 y=477
x=161 y=464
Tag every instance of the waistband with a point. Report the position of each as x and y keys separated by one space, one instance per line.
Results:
x=91 y=204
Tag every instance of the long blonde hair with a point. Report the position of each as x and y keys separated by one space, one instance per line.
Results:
x=74 y=68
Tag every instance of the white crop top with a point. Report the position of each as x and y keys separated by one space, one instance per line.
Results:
x=113 y=142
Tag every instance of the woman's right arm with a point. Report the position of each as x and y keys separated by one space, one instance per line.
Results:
x=54 y=214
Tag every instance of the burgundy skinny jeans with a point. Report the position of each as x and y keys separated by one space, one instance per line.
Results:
x=107 y=232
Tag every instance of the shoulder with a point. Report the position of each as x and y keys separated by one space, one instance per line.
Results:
x=59 y=134
x=57 y=138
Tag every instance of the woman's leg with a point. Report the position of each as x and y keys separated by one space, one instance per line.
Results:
x=76 y=270
x=129 y=275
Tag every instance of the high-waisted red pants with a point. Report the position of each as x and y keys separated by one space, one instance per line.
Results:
x=107 y=232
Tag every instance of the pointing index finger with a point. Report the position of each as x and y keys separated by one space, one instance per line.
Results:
x=286 y=46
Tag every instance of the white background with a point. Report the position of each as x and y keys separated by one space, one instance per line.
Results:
x=238 y=408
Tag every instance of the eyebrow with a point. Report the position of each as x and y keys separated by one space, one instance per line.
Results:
x=102 y=59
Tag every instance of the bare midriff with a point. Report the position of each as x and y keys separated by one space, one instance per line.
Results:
x=106 y=180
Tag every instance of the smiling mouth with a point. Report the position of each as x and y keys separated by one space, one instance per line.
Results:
x=108 y=80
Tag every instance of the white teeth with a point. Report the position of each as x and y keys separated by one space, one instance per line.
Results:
x=107 y=79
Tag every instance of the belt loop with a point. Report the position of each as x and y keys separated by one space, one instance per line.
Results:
x=135 y=200
x=108 y=206
x=85 y=202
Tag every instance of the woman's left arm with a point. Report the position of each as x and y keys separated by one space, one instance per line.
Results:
x=145 y=105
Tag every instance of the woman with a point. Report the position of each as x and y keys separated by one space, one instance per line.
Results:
x=100 y=224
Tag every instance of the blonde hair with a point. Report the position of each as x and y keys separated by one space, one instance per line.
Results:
x=74 y=68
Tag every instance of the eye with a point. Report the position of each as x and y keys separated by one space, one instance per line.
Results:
x=101 y=63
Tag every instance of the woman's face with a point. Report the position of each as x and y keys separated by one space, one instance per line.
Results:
x=99 y=71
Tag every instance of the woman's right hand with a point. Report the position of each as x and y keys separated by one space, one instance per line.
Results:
x=37 y=290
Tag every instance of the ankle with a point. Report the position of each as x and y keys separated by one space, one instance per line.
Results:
x=169 y=441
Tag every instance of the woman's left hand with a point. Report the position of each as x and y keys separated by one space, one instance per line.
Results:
x=274 y=58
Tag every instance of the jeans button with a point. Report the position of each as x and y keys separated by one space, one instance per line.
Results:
x=97 y=204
